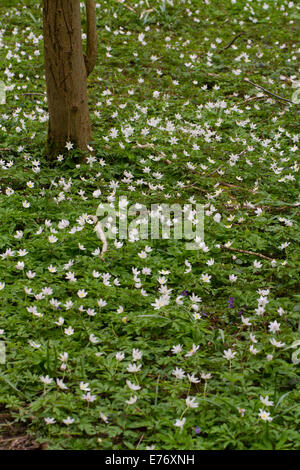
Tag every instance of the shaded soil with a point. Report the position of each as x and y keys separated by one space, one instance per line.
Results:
x=13 y=436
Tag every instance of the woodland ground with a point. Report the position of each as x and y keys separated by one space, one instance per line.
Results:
x=93 y=361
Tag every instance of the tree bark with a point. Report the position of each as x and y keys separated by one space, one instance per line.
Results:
x=66 y=74
x=91 y=31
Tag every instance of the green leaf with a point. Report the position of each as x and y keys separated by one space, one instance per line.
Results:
x=8 y=382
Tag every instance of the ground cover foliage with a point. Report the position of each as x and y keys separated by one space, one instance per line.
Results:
x=152 y=345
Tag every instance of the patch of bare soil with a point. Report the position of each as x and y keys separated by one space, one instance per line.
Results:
x=13 y=436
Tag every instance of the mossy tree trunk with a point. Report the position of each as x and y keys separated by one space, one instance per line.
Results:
x=67 y=69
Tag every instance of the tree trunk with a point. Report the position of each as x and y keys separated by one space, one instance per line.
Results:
x=66 y=73
x=91 y=30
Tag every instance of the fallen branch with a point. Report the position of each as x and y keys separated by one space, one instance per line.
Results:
x=221 y=183
x=102 y=237
x=126 y=6
x=144 y=12
x=197 y=189
x=252 y=98
x=246 y=252
x=141 y=438
x=230 y=43
x=215 y=171
x=144 y=146
x=281 y=208
x=38 y=94
x=268 y=92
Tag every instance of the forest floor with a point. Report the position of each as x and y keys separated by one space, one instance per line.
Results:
x=153 y=345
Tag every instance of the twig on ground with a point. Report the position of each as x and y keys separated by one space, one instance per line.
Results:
x=196 y=171
x=264 y=208
x=252 y=98
x=280 y=208
x=197 y=189
x=126 y=6
x=215 y=171
x=144 y=12
x=230 y=43
x=144 y=146
x=222 y=183
x=268 y=92
x=246 y=252
x=141 y=438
